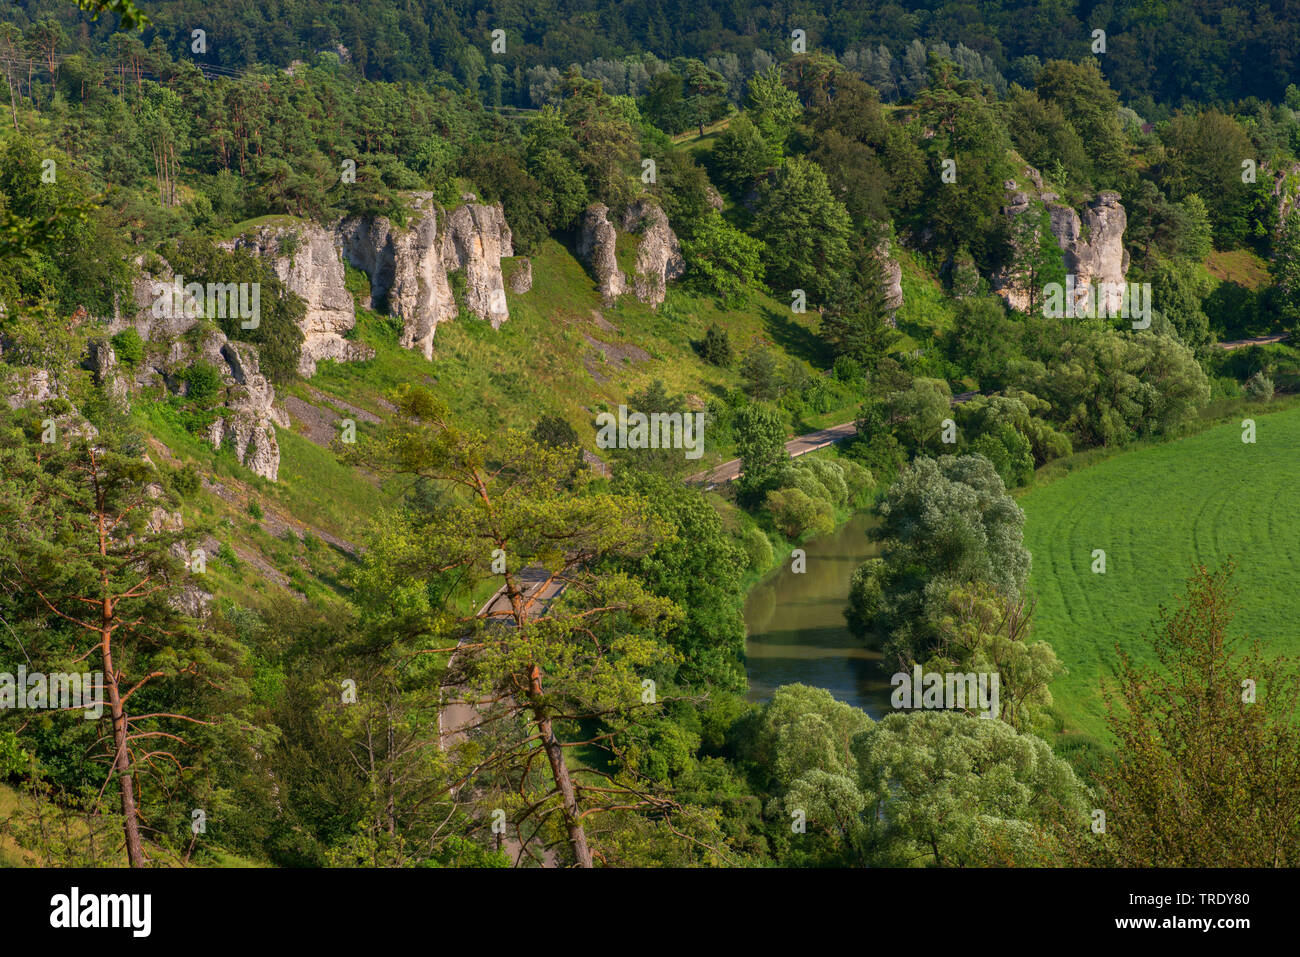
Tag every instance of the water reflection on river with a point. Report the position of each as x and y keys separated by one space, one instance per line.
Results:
x=797 y=631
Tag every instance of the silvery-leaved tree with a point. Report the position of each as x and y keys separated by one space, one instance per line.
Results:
x=557 y=658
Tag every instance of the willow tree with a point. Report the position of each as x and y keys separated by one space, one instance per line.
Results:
x=559 y=651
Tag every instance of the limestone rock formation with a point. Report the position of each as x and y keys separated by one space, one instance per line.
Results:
x=147 y=289
x=308 y=261
x=597 y=239
x=893 y=277
x=658 y=257
x=1092 y=248
x=408 y=267
x=1101 y=258
x=104 y=367
x=658 y=254
x=406 y=273
x=250 y=425
x=475 y=240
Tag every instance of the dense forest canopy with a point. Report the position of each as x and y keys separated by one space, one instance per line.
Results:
x=1202 y=51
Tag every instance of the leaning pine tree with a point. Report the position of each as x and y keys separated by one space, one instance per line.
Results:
x=92 y=573
x=559 y=658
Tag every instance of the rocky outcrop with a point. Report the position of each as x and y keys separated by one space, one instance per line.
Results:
x=248 y=424
x=658 y=256
x=597 y=241
x=408 y=266
x=893 y=273
x=1092 y=248
x=29 y=387
x=148 y=312
x=307 y=259
x=1286 y=189
x=476 y=239
x=104 y=367
x=1100 y=258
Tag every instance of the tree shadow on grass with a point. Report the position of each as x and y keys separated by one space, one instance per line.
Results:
x=795 y=339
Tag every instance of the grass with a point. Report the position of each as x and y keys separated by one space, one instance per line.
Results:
x=1240 y=266
x=1156 y=512
x=562 y=352
x=927 y=310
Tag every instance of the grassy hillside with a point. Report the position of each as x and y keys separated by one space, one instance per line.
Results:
x=1156 y=512
x=561 y=352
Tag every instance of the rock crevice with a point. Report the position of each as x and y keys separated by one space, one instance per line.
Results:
x=658 y=256
x=408 y=267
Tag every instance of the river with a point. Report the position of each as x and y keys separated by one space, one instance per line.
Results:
x=796 y=625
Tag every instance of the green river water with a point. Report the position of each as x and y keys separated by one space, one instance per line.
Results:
x=797 y=631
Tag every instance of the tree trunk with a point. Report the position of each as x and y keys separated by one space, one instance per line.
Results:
x=121 y=759
x=555 y=755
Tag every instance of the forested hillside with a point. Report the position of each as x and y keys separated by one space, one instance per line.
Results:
x=312 y=317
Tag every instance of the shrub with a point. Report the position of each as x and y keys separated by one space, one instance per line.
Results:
x=794 y=512
x=1259 y=386
x=128 y=347
x=716 y=347
x=758 y=548
x=203 y=384
x=186 y=481
x=848 y=369
x=1225 y=387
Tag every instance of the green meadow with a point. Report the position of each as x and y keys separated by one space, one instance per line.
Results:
x=1156 y=512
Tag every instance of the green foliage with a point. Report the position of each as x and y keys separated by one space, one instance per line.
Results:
x=760 y=431
x=758 y=548
x=715 y=348
x=723 y=260
x=1190 y=740
x=1285 y=270
x=555 y=431
x=773 y=107
x=795 y=512
x=740 y=157
x=278 y=335
x=128 y=347
x=953 y=791
x=1260 y=387
x=944 y=523
x=936 y=788
x=1105 y=387
x=203 y=384
x=699 y=569
x=805 y=229
x=1091 y=108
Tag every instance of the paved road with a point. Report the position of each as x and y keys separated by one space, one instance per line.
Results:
x=1257 y=341
x=800 y=445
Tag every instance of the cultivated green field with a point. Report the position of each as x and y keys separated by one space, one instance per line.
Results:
x=1155 y=512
